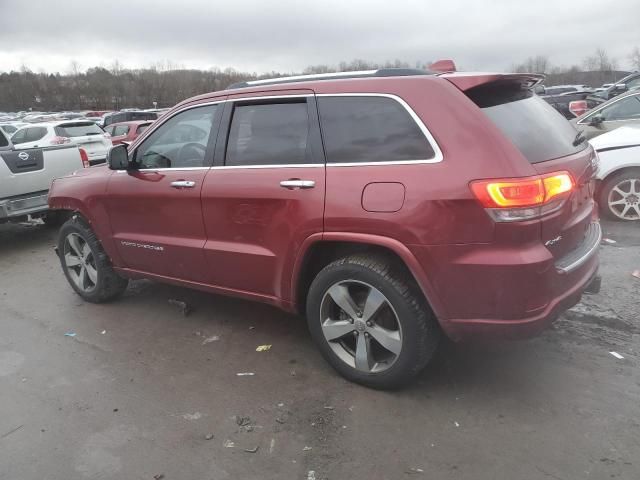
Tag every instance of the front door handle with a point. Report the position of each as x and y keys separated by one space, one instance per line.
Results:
x=183 y=184
x=296 y=183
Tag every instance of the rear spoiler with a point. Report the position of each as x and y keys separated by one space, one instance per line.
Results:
x=465 y=81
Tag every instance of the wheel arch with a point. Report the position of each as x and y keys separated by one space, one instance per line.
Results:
x=320 y=250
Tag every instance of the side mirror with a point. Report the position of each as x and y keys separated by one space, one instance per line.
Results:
x=596 y=120
x=118 y=157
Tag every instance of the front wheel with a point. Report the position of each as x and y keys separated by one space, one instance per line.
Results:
x=620 y=196
x=86 y=265
x=370 y=322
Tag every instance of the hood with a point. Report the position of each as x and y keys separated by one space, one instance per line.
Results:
x=620 y=137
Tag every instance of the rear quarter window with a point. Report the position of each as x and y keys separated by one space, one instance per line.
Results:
x=532 y=125
x=3 y=140
x=358 y=129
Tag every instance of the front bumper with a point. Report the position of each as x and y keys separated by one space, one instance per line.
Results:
x=18 y=207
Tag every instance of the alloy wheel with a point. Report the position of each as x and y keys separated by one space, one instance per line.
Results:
x=624 y=199
x=80 y=262
x=361 y=326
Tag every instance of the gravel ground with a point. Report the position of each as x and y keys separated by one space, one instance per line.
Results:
x=143 y=392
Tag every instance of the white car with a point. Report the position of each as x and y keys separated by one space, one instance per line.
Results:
x=86 y=134
x=618 y=175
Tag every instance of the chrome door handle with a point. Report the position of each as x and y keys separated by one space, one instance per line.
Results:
x=294 y=183
x=183 y=184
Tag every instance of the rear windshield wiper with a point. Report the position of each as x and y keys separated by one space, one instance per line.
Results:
x=579 y=139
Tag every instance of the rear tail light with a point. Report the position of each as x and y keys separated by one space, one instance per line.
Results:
x=513 y=199
x=578 y=107
x=59 y=140
x=84 y=157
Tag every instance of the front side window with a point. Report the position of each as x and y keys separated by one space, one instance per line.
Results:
x=180 y=142
x=625 y=109
x=269 y=134
x=370 y=129
x=20 y=136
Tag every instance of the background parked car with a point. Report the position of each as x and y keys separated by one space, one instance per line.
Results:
x=617 y=112
x=128 y=116
x=565 y=102
x=95 y=141
x=627 y=84
x=127 y=132
x=618 y=191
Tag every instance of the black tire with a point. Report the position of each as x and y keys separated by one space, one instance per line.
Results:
x=55 y=219
x=420 y=329
x=109 y=284
x=607 y=186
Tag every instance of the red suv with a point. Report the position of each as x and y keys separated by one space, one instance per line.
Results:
x=390 y=206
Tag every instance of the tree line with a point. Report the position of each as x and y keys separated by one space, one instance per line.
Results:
x=594 y=70
x=114 y=88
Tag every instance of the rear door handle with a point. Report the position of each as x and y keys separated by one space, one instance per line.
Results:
x=183 y=184
x=296 y=183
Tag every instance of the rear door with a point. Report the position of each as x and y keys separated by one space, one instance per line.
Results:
x=265 y=195
x=155 y=210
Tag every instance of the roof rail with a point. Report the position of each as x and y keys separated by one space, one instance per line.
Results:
x=382 y=72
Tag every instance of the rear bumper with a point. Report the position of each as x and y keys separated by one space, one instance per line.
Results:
x=18 y=207
x=493 y=292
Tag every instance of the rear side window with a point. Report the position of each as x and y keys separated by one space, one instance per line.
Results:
x=370 y=129
x=269 y=134
x=532 y=125
x=120 y=130
x=78 y=129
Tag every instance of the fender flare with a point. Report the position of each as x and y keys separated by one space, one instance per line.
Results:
x=394 y=245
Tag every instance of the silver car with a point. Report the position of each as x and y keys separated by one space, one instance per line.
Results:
x=619 y=111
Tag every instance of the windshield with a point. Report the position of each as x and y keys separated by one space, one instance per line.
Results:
x=531 y=124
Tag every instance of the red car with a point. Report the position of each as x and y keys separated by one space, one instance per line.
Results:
x=127 y=132
x=389 y=206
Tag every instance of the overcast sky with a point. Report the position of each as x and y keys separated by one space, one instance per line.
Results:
x=288 y=35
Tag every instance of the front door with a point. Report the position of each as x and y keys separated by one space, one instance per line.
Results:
x=154 y=209
x=265 y=194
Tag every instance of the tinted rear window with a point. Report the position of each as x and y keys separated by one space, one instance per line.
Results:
x=370 y=129
x=3 y=140
x=78 y=129
x=532 y=125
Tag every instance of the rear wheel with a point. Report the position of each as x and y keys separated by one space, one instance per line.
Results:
x=370 y=322
x=620 y=196
x=86 y=265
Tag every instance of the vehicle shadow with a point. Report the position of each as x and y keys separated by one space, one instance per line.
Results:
x=15 y=238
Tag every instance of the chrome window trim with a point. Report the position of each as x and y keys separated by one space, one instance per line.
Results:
x=438 y=156
x=287 y=165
